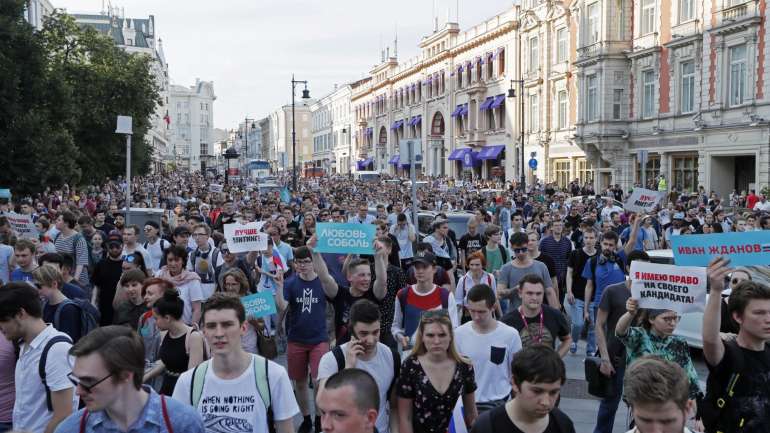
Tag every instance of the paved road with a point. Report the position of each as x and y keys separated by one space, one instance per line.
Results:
x=575 y=400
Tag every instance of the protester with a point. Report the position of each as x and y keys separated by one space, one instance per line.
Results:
x=57 y=308
x=107 y=375
x=129 y=311
x=474 y=264
x=349 y=402
x=24 y=256
x=106 y=277
x=188 y=283
x=576 y=284
x=7 y=388
x=522 y=264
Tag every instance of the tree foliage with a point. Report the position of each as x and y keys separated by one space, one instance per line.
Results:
x=61 y=90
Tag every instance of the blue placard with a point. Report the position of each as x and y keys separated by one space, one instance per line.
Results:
x=533 y=163
x=259 y=304
x=743 y=249
x=347 y=238
x=5 y=193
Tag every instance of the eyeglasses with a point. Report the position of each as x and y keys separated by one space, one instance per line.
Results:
x=520 y=250
x=87 y=388
x=672 y=320
x=147 y=229
x=129 y=259
x=199 y=234
x=303 y=262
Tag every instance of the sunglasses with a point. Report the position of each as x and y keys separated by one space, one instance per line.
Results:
x=520 y=250
x=87 y=388
x=129 y=259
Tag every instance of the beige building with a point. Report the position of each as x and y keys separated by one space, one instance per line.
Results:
x=279 y=137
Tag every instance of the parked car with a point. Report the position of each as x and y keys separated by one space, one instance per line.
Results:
x=590 y=198
x=458 y=222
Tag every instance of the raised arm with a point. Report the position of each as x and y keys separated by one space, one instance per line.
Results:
x=621 y=329
x=633 y=233
x=380 y=287
x=713 y=347
x=327 y=281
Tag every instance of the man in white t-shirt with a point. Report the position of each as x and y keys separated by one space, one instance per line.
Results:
x=490 y=344
x=36 y=408
x=364 y=351
x=155 y=245
x=233 y=388
x=130 y=246
x=205 y=260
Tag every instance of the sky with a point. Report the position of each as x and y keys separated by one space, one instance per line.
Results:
x=251 y=48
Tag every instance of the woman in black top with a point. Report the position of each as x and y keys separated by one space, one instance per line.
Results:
x=433 y=377
x=181 y=346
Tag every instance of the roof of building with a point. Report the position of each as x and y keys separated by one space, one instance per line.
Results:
x=113 y=26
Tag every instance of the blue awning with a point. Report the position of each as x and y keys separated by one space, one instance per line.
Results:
x=491 y=152
x=499 y=100
x=370 y=131
x=416 y=120
x=363 y=164
x=487 y=102
x=397 y=124
x=457 y=111
x=393 y=160
x=470 y=159
x=464 y=111
x=458 y=154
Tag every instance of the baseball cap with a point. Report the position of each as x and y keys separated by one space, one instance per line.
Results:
x=426 y=258
x=114 y=238
x=179 y=231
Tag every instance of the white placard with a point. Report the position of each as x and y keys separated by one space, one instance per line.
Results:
x=22 y=225
x=643 y=200
x=243 y=238
x=215 y=187
x=678 y=288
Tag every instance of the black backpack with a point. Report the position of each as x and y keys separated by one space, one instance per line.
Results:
x=41 y=366
x=340 y=358
x=503 y=254
x=89 y=315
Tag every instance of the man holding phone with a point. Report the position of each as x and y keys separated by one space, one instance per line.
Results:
x=364 y=351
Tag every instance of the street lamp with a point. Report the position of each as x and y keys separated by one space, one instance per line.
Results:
x=305 y=95
x=230 y=153
x=350 y=154
x=512 y=94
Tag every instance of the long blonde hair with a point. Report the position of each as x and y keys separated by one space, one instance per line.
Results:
x=442 y=318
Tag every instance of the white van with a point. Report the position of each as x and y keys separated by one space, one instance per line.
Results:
x=367 y=176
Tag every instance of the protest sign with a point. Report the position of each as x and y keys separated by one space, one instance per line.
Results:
x=348 y=238
x=743 y=249
x=259 y=304
x=5 y=193
x=643 y=200
x=22 y=225
x=242 y=238
x=678 y=288
x=215 y=188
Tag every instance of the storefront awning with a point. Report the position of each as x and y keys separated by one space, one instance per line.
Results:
x=397 y=124
x=416 y=120
x=393 y=160
x=499 y=100
x=487 y=102
x=457 y=111
x=470 y=159
x=464 y=111
x=457 y=154
x=363 y=164
x=491 y=152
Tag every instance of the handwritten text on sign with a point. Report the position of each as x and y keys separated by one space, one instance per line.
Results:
x=347 y=238
x=242 y=238
x=259 y=304
x=22 y=225
x=678 y=288
x=643 y=200
x=743 y=249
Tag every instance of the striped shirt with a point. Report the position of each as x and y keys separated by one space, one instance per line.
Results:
x=558 y=251
x=75 y=245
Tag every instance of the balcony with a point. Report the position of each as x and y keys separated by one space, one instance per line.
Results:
x=737 y=17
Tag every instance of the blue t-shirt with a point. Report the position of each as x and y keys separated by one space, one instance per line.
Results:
x=640 y=237
x=19 y=275
x=306 y=319
x=606 y=273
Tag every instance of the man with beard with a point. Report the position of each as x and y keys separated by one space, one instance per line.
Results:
x=106 y=276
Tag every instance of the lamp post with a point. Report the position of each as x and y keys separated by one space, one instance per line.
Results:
x=125 y=126
x=305 y=95
x=350 y=154
x=512 y=94
x=230 y=153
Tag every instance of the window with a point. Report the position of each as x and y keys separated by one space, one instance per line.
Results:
x=648 y=17
x=533 y=55
x=500 y=115
x=441 y=84
x=738 y=74
x=561 y=45
x=585 y=171
x=648 y=93
x=561 y=172
x=478 y=70
x=620 y=18
x=687 y=97
x=501 y=62
x=490 y=119
x=592 y=112
x=686 y=10
x=593 y=23
x=460 y=79
x=685 y=172
x=652 y=169
x=490 y=67
x=562 y=103
x=617 y=103
x=534 y=113
x=204 y=149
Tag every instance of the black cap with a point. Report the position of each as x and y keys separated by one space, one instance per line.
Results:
x=114 y=238
x=425 y=257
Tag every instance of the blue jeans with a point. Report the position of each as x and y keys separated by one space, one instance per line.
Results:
x=605 y=418
x=576 y=315
x=5 y=426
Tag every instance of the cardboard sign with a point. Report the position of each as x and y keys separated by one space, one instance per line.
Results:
x=345 y=238
x=678 y=288
x=743 y=249
x=22 y=225
x=643 y=200
x=259 y=304
x=242 y=238
x=215 y=188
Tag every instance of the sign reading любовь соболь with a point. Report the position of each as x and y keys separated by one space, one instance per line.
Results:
x=345 y=238
x=743 y=249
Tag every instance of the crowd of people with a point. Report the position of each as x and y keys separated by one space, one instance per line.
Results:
x=136 y=325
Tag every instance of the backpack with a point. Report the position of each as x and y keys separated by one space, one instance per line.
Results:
x=262 y=380
x=402 y=295
x=41 y=366
x=466 y=316
x=717 y=400
x=594 y=262
x=211 y=276
x=340 y=358
x=89 y=315
x=164 y=410
x=503 y=253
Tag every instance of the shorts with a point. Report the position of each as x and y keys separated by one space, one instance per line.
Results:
x=299 y=356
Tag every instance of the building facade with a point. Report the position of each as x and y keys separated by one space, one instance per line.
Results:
x=684 y=82
x=332 y=125
x=37 y=11
x=135 y=35
x=191 y=111
x=279 y=140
